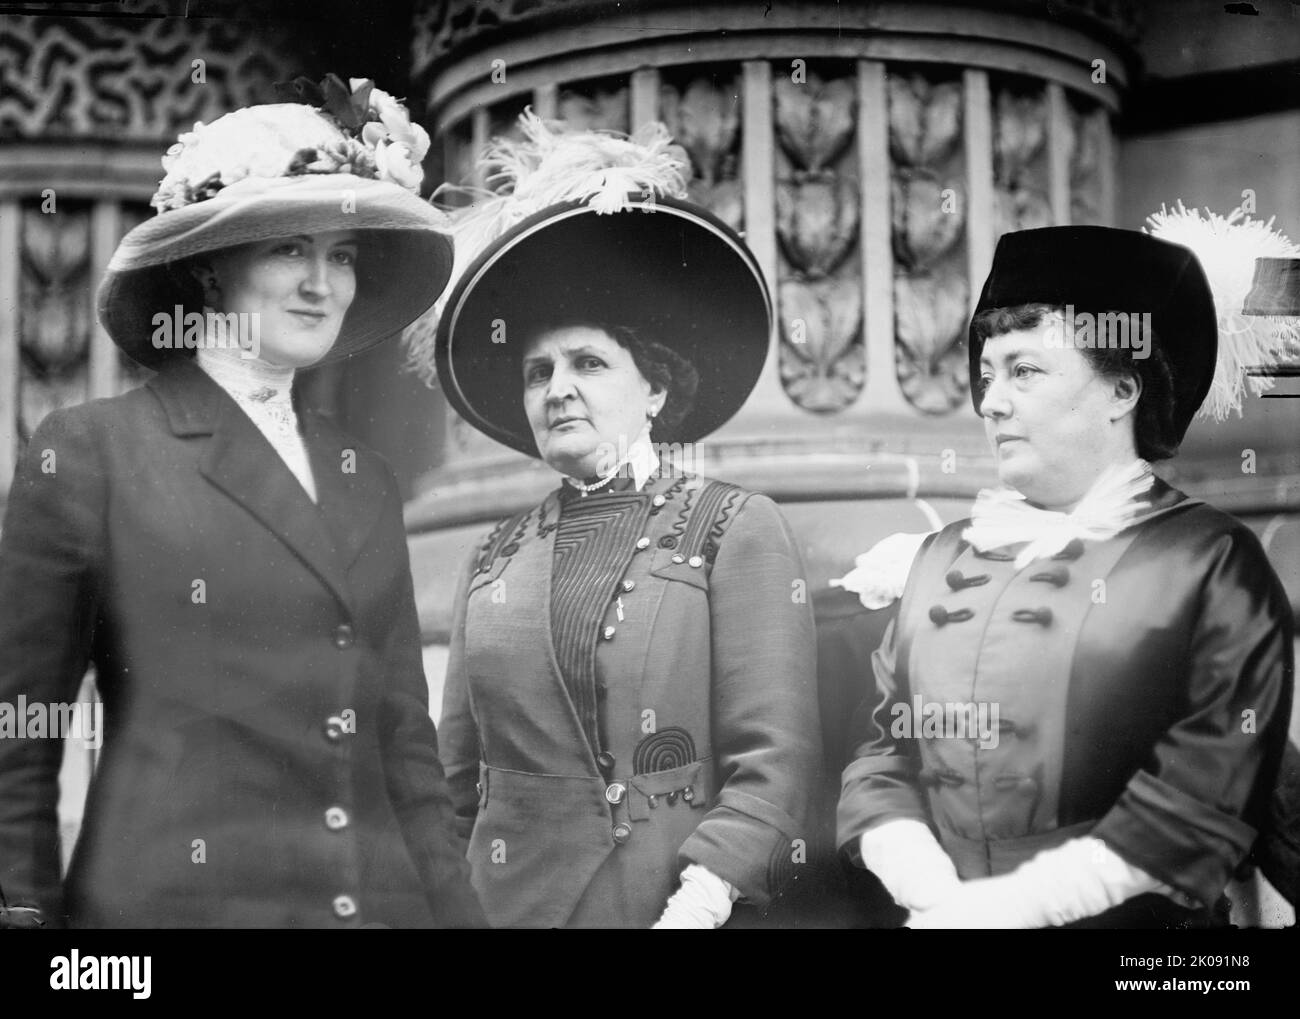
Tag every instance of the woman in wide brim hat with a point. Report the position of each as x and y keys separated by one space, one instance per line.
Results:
x=233 y=567
x=1121 y=654
x=629 y=719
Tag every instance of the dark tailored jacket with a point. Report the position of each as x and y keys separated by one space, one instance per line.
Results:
x=277 y=711
x=1152 y=716
x=709 y=687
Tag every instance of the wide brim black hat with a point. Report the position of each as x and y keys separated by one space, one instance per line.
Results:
x=1101 y=269
x=665 y=268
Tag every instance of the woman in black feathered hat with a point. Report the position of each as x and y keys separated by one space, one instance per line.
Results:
x=1081 y=705
x=629 y=722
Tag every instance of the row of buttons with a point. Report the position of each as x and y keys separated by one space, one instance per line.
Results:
x=941 y=616
x=336 y=818
x=947 y=776
x=616 y=792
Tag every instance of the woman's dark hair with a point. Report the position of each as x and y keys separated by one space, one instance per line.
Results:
x=189 y=292
x=661 y=366
x=1153 y=420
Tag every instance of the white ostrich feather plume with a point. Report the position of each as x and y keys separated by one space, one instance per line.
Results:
x=1227 y=247
x=551 y=164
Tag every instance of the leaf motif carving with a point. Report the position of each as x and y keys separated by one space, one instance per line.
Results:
x=814 y=121
x=924 y=119
x=817 y=221
x=822 y=360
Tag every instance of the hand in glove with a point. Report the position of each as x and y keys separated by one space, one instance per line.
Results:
x=702 y=903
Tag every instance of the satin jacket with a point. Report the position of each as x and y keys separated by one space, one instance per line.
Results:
x=707 y=666
x=1143 y=686
x=268 y=757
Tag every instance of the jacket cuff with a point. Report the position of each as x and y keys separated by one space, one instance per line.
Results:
x=876 y=788
x=1175 y=837
x=749 y=843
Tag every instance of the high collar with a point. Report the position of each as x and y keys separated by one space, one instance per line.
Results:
x=247 y=378
x=639 y=463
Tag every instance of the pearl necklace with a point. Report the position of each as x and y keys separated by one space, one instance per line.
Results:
x=595 y=486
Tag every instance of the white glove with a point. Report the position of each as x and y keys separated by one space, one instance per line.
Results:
x=702 y=903
x=1079 y=879
x=910 y=863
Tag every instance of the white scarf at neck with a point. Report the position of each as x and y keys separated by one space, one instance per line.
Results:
x=1002 y=516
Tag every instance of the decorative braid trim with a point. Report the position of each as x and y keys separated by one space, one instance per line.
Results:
x=707 y=511
x=506 y=533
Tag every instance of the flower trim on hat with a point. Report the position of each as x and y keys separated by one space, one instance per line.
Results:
x=324 y=129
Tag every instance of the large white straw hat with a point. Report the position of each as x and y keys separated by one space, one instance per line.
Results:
x=282 y=170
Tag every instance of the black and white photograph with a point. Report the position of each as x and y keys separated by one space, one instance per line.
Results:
x=635 y=465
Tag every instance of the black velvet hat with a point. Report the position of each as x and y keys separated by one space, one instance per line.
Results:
x=1100 y=269
x=664 y=267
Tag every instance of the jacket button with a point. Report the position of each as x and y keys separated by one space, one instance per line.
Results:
x=628 y=585
x=1016 y=783
x=622 y=833
x=335 y=728
x=605 y=761
x=343 y=636
x=615 y=791
x=643 y=543
x=688 y=794
x=336 y=818
x=345 y=907
x=958 y=580
x=695 y=561
x=608 y=633
x=1073 y=550
x=1057 y=576
x=679 y=558
x=658 y=500
x=940 y=615
x=1041 y=616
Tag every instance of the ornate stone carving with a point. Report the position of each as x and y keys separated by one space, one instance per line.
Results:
x=817 y=221
x=54 y=310
x=1020 y=159
x=822 y=361
x=1086 y=127
x=924 y=119
x=131 y=78
x=822 y=358
x=929 y=220
x=597 y=108
x=814 y=120
x=704 y=118
x=54 y=329
x=927 y=223
x=930 y=323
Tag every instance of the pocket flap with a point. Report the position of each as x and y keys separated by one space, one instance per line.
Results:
x=656 y=786
x=663 y=566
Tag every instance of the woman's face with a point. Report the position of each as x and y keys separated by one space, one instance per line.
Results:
x=300 y=288
x=1053 y=423
x=585 y=399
